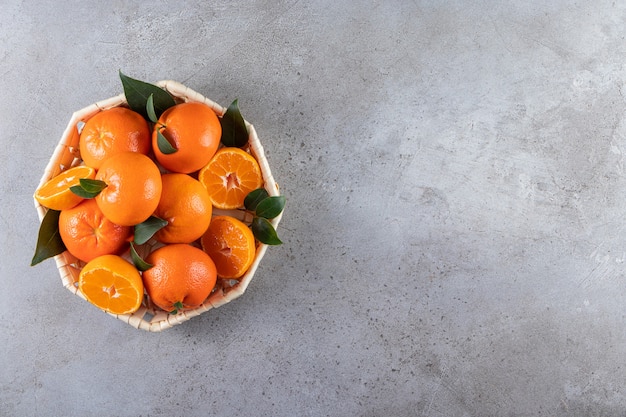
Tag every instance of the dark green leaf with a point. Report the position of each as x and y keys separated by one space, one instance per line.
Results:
x=254 y=197
x=145 y=230
x=264 y=232
x=270 y=207
x=49 y=242
x=137 y=93
x=88 y=188
x=234 y=131
x=140 y=264
x=179 y=306
x=150 y=109
x=164 y=145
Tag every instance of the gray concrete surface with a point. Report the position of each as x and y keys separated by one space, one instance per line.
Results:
x=454 y=230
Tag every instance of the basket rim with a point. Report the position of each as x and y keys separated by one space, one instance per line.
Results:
x=65 y=155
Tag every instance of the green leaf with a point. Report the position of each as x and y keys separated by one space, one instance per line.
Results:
x=234 y=131
x=270 y=207
x=49 y=242
x=179 y=306
x=254 y=197
x=150 y=109
x=264 y=232
x=88 y=188
x=164 y=145
x=145 y=230
x=139 y=263
x=137 y=93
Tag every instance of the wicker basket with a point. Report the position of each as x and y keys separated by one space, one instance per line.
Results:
x=150 y=317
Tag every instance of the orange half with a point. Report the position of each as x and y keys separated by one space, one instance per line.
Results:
x=229 y=176
x=112 y=284
x=56 y=195
x=231 y=245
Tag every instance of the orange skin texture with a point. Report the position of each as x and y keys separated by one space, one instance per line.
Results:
x=133 y=188
x=186 y=206
x=113 y=131
x=194 y=130
x=181 y=273
x=87 y=234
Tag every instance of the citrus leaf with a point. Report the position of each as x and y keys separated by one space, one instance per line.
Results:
x=254 y=197
x=164 y=145
x=139 y=263
x=179 y=306
x=49 y=242
x=150 y=109
x=145 y=230
x=88 y=188
x=270 y=207
x=137 y=93
x=234 y=131
x=264 y=232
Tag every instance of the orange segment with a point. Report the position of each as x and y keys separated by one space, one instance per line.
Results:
x=229 y=176
x=230 y=243
x=112 y=284
x=56 y=195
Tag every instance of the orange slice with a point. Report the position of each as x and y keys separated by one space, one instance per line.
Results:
x=55 y=194
x=230 y=243
x=229 y=176
x=112 y=284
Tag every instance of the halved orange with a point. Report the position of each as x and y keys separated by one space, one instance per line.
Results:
x=229 y=176
x=112 y=284
x=56 y=195
x=231 y=245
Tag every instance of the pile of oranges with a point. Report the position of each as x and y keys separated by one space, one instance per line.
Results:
x=127 y=180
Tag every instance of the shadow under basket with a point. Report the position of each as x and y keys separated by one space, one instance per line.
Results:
x=149 y=317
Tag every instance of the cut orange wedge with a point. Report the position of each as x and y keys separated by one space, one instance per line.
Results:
x=229 y=176
x=55 y=194
x=230 y=243
x=112 y=284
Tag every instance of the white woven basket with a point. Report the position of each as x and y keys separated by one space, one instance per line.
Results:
x=150 y=317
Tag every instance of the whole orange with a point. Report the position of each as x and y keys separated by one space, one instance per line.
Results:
x=194 y=130
x=186 y=206
x=87 y=234
x=182 y=276
x=112 y=131
x=133 y=188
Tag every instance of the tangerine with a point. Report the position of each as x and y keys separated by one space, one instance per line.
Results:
x=56 y=194
x=231 y=245
x=115 y=130
x=112 y=284
x=133 y=188
x=194 y=130
x=186 y=206
x=181 y=277
x=229 y=176
x=87 y=233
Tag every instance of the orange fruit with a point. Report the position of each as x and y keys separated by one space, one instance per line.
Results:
x=112 y=131
x=194 y=130
x=229 y=176
x=186 y=206
x=182 y=276
x=87 y=234
x=55 y=193
x=230 y=243
x=112 y=284
x=133 y=188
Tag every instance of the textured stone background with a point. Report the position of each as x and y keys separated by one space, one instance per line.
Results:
x=454 y=237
